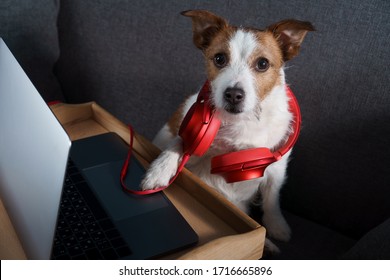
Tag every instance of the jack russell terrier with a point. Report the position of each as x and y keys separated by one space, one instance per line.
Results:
x=246 y=80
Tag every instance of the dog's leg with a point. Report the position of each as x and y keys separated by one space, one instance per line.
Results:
x=273 y=219
x=164 y=167
x=270 y=248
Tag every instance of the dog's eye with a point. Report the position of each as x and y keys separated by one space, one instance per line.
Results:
x=220 y=60
x=262 y=64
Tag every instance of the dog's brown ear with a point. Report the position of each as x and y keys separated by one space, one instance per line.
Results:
x=290 y=34
x=204 y=26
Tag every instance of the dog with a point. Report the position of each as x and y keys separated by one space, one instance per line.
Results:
x=245 y=69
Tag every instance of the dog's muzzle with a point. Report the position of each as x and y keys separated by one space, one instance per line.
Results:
x=234 y=97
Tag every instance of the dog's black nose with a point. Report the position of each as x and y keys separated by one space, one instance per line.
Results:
x=234 y=95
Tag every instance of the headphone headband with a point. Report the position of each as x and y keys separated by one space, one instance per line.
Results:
x=296 y=124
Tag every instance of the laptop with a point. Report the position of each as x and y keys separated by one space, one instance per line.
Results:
x=64 y=198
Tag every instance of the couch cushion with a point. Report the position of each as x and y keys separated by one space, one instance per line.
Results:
x=29 y=28
x=375 y=245
x=311 y=241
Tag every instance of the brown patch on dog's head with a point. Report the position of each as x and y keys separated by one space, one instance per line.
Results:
x=268 y=49
x=218 y=45
x=205 y=26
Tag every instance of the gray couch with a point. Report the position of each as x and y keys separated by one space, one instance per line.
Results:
x=137 y=60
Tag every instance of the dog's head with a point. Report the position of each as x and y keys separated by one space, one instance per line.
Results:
x=244 y=64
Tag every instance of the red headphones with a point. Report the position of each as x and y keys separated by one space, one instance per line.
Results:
x=198 y=130
x=200 y=127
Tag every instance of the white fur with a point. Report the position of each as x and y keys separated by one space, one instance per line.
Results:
x=241 y=46
x=263 y=123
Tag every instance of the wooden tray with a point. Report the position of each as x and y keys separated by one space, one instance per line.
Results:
x=224 y=231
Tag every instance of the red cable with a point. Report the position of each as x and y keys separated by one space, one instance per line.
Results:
x=125 y=168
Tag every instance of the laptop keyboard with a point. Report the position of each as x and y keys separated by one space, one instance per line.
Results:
x=84 y=230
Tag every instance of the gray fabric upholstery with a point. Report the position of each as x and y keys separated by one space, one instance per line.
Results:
x=375 y=245
x=29 y=28
x=311 y=241
x=135 y=53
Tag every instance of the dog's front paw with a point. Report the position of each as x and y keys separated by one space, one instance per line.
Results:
x=155 y=179
x=161 y=171
x=277 y=227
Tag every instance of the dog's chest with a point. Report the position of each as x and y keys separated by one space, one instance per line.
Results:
x=231 y=137
x=238 y=136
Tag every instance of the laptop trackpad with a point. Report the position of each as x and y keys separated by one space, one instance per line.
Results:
x=104 y=181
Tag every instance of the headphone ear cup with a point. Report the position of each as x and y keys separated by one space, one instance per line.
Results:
x=198 y=129
x=242 y=165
